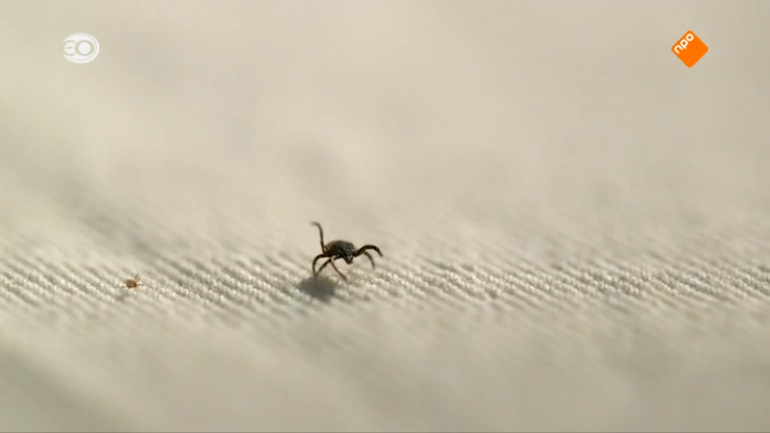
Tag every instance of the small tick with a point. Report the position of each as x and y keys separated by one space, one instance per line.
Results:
x=133 y=283
x=340 y=250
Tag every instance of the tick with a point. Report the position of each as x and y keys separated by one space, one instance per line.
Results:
x=340 y=250
x=133 y=283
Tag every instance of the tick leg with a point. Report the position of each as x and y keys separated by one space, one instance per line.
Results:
x=369 y=247
x=371 y=259
x=323 y=266
x=320 y=233
x=338 y=271
x=317 y=258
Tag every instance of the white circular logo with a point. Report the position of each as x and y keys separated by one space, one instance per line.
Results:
x=80 y=48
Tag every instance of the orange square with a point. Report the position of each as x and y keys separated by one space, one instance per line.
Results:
x=690 y=49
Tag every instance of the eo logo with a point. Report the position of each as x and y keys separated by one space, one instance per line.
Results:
x=81 y=48
x=690 y=49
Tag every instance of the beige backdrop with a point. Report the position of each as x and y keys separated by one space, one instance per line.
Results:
x=574 y=224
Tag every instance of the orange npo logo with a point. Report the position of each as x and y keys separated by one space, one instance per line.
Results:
x=690 y=49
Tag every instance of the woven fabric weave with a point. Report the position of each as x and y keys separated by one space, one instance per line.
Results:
x=574 y=224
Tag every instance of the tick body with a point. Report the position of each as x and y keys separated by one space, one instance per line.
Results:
x=133 y=283
x=339 y=249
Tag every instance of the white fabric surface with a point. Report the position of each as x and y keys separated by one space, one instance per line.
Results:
x=575 y=225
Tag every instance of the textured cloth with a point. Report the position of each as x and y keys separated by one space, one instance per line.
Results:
x=574 y=224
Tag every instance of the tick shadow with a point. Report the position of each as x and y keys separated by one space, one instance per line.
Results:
x=125 y=294
x=322 y=288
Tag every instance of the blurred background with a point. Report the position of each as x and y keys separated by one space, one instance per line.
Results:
x=574 y=223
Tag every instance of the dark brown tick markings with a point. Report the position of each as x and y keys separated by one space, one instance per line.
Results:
x=340 y=250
